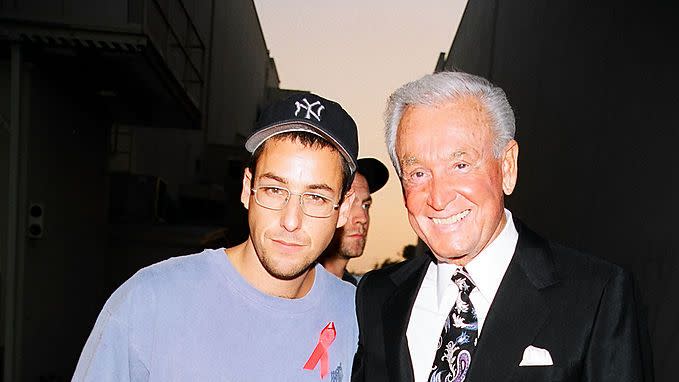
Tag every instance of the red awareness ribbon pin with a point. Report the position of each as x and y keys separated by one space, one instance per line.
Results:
x=320 y=352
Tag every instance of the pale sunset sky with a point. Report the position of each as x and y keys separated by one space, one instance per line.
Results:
x=356 y=52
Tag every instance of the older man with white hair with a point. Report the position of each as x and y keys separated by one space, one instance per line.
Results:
x=491 y=300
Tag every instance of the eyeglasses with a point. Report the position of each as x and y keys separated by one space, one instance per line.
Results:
x=276 y=198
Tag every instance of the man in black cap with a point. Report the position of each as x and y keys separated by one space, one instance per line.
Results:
x=349 y=240
x=262 y=310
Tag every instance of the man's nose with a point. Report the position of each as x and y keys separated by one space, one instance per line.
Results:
x=360 y=214
x=441 y=192
x=291 y=214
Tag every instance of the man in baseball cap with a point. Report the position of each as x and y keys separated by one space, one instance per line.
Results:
x=261 y=310
x=349 y=240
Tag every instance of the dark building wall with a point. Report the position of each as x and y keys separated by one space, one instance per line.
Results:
x=240 y=61
x=170 y=154
x=474 y=37
x=241 y=73
x=4 y=173
x=64 y=271
x=70 y=105
x=82 y=12
x=593 y=85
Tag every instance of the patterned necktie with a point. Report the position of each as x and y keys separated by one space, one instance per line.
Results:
x=458 y=337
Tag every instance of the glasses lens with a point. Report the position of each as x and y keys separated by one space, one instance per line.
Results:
x=317 y=205
x=276 y=198
x=272 y=197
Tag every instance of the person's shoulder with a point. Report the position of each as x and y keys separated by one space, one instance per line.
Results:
x=386 y=277
x=348 y=277
x=584 y=265
x=336 y=285
x=569 y=263
x=190 y=263
x=186 y=269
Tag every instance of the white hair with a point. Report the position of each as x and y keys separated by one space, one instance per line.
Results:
x=439 y=88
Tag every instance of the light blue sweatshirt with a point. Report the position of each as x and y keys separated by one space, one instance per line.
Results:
x=194 y=318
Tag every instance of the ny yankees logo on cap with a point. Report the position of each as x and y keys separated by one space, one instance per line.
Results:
x=302 y=112
x=309 y=109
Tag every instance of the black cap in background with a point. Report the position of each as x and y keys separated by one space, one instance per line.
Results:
x=374 y=172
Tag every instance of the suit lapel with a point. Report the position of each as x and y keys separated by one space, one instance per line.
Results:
x=396 y=313
x=518 y=310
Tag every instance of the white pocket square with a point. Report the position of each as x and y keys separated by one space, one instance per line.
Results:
x=534 y=356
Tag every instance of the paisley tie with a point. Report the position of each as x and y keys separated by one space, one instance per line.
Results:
x=458 y=337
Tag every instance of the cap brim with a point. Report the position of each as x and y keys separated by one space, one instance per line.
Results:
x=262 y=135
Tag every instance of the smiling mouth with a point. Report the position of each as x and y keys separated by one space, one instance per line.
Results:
x=453 y=219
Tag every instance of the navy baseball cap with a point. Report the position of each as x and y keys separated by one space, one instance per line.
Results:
x=312 y=113
x=374 y=171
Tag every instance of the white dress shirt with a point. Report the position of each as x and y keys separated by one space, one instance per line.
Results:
x=438 y=292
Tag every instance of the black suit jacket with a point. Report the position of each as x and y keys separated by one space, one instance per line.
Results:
x=578 y=307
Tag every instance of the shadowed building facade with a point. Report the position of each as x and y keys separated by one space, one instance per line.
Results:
x=593 y=86
x=122 y=124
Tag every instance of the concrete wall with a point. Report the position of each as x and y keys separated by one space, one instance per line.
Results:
x=593 y=85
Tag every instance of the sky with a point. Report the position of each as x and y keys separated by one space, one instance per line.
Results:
x=357 y=52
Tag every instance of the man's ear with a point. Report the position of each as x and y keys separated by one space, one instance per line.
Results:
x=246 y=191
x=510 y=167
x=345 y=207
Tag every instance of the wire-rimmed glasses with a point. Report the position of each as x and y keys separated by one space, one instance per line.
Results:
x=312 y=204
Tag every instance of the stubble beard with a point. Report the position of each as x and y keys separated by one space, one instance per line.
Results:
x=352 y=250
x=280 y=272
